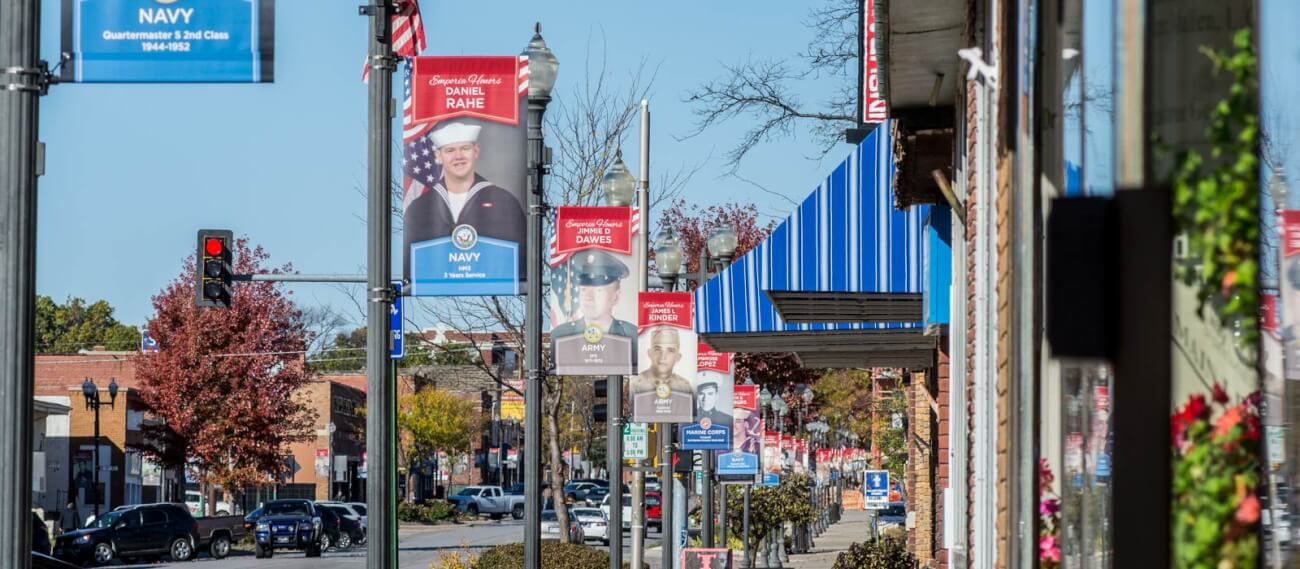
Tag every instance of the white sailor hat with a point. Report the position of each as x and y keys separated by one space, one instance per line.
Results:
x=454 y=133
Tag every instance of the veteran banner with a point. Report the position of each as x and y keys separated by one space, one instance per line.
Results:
x=593 y=298
x=713 y=402
x=663 y=391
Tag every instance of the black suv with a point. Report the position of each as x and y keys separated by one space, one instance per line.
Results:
x=287 y=524
x=148 y=530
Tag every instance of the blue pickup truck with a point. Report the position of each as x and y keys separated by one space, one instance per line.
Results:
x=286 y=524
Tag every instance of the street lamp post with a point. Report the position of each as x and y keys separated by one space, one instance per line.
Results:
x=542 y=70
x=620 y=189
x=721 y=245
x=777 y=552
x=668 y=261
x=91 y=392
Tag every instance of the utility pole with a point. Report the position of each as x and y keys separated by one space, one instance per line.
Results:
x=24 y=79
x=381 y=478
x=643 y=258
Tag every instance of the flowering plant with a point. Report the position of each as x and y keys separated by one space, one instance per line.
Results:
x=1216 y=470
x=1049 y=519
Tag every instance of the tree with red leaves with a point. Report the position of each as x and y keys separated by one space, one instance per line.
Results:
x=224 y=380
x=692 y=225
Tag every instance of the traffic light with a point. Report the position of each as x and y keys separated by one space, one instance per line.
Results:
x=600 y=412
x=213 y=275
x=602 y=388
x=683 y=460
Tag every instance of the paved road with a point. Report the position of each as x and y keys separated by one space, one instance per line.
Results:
x=418 y=545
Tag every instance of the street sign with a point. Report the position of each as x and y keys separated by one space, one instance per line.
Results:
x=636 y=441
x=397 y=344
x=147 y=343
x=876 y=489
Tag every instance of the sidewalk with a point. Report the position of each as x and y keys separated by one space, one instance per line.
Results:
x=852 y=528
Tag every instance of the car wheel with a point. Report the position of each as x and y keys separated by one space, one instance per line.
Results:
x=314 y=550
x=259 y=551
x=345 y=542
x=518 y=512
x=324 y=542
x=103 y=554
x=220 y=547
x=181 y=549
x=222 y=513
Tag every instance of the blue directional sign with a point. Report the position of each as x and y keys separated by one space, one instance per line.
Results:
x=167 y=41
x=875 y=486
x=397 y=345
x=147 y=343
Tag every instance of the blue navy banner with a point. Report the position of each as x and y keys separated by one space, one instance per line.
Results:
x=169 y=41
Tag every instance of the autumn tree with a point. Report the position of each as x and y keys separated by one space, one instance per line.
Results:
x=224 y=380
x=433 y=421
x=855 y=401
x=75 y=325
x=692 y=225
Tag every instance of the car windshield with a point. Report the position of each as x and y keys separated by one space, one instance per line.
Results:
x=361 y=509
x=285 y=508
x=549 y=516
x=588 y=513
x=651 y=501
x=107 y=521
x=468 y=492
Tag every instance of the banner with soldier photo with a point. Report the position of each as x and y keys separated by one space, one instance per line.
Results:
x=593 y=300
x=663 y=390
x=464 y=164
x=713 y=402
x=746 y=435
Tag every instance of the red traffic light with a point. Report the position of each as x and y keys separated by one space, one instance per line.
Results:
x=213 y=246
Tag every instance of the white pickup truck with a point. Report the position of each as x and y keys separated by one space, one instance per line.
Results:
x=491 y=500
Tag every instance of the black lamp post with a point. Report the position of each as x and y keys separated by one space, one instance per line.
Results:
x=91 y=392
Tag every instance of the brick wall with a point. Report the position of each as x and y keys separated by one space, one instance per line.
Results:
x=58 y=373
x=942 y=386
x=920 y=455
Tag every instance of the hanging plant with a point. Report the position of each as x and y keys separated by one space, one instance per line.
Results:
x=1216 y=201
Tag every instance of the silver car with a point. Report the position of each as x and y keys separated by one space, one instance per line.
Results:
x=594 y=523
x=551 y=528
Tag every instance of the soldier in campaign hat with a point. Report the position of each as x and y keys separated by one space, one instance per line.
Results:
x=598 y=278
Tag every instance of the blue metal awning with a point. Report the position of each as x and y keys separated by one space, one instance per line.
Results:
x=845 y=260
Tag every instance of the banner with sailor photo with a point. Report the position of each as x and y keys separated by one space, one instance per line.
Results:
x=593 y=294
x=464 y=165
x=713 y=402
x=746 y=435
x=663 y=390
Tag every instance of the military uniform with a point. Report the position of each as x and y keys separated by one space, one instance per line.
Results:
x=617 y=343
x=645 y=382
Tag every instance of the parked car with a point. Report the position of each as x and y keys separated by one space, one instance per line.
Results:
x=491 y=500
x=360 y=509
x=194 y=501
x=551 y=527
x=577 y=491
x=216 y=534
x=346 y=525
x=40 y=535
x=652 y=484
x=594 y=523
x=288 y=524
x=892 y=515
x=596 y=496
x=627 y=509
x=654 y=512
x=147 y=530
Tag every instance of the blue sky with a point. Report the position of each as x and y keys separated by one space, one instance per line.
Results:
x=134 y=170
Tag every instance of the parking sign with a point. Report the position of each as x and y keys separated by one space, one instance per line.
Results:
x=876 y=489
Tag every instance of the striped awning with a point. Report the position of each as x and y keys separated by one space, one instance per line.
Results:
x=846 y=259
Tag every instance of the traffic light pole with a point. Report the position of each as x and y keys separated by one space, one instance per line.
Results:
x=381 y=497
x=21 y=85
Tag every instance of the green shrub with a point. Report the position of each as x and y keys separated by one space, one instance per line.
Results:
x=554 y=556
x=884 y=553
x=428 y=513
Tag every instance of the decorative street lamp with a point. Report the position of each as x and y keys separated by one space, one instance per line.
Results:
x=91 y=393
x=618 y=184
x=668 y=258
x=543 y=68
x=722 y=244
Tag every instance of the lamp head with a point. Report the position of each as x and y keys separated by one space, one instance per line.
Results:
x=543 y=67
x=668 y=254
x=722 y=242
x=618 y=184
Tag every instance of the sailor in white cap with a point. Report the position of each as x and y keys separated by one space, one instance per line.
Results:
x=461 y=196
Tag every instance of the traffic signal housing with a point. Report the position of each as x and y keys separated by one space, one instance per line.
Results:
x=214 y=275
x=600 y=411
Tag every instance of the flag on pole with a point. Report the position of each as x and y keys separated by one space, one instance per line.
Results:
x=408 y=33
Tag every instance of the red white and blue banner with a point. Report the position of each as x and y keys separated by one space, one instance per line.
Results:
x=747 y=435
x=593 y=293
x=464 y=165
x=846 y=236
x=714 y=413
x=663 y=391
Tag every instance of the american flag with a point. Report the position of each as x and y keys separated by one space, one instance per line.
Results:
x=408 y=33
x=419 y=169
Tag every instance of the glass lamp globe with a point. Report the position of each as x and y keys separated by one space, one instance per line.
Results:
x=542 y=66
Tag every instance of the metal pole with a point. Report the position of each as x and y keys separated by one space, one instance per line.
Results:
x=533 y=342
x=381 y=550
x=643 y=261
x=667 y=536
x=722 y=514
x=614 y=463
x=95 y=456
x=19 y=167
x=707 y=456
x=745 y=561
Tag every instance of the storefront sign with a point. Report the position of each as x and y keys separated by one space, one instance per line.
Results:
x=874 y=108
x=165 y=41
x=593 y=299
x=465 y=172
x=663 y=391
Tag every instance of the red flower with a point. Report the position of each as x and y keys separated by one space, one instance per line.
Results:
x=1229 y=419
x=1196 y=408
x=1219 y=394
x=1048 y=549
x=1247 y=510
x=1045 y=477
x=1049 y=507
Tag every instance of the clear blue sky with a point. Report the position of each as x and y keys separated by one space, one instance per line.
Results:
x=134 y=171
